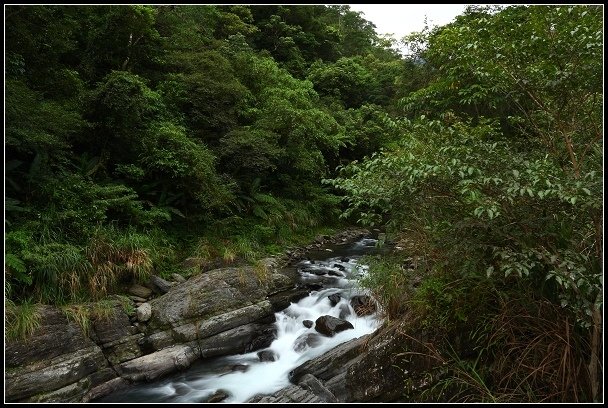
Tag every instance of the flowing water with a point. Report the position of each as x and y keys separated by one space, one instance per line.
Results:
x=333 y=270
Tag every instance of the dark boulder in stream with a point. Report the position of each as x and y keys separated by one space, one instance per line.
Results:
x=329 y=325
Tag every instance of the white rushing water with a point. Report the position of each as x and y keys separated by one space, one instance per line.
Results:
x=244 y=376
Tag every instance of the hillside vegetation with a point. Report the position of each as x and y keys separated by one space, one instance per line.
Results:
x=138 y=136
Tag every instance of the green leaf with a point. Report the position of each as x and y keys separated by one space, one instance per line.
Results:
x=490 y=271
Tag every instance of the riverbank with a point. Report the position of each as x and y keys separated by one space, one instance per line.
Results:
x=217 y=312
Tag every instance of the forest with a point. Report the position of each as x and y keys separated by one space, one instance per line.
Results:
x=138 y=136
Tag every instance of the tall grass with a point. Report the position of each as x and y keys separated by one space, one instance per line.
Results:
x=21 y=320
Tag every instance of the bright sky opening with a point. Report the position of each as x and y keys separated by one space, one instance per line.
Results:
x=403 y=19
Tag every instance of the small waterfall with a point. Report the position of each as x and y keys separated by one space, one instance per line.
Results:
x=245 y=375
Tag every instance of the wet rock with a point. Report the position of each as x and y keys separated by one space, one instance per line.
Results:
x=240 y=367
x=335 y=273
x=267 y=355
x=308 y=323
x=344 y=311
x=181 y=388
x=329 y=325
x=305 y=341
x=262 y=338
x=281 y=300
x=217 y=396
x=319 y=271
x=363 y=305
x=334 y=299
x=314 y=287
x=340 y=267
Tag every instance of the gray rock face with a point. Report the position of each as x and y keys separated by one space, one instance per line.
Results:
x=105 y=389
x=233 y=341
x=372 y=368
x=329 y=325
x=69 y=393
x=207 y=295
x=389 y=358
x=314 y=385
x=124 y=349
x=111 y=329
x=56 y=336
x=283 y=299
x=53 y=374
x=344 y=311
x=332 y=363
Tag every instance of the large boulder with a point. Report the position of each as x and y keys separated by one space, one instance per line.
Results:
x=329 y=325
x=371 y=368
x=391 y=357
x=209 y=294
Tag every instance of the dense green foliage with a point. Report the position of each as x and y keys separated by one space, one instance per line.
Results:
x=496 y=188
x=138 y=136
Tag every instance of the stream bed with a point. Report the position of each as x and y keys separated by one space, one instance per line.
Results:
x=334 y=271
